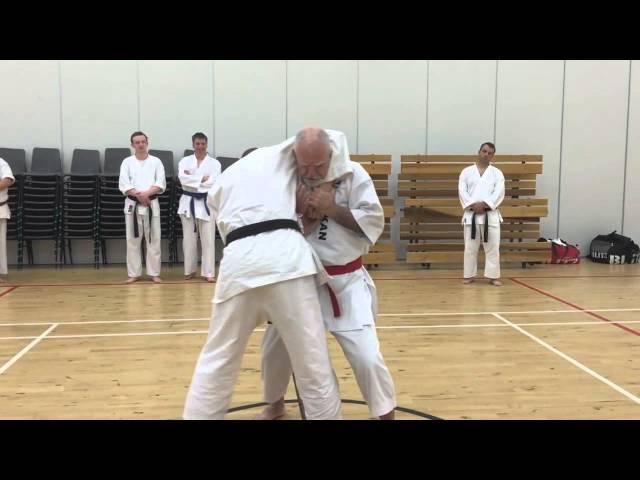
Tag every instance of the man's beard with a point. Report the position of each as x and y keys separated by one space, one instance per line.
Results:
x=311 y=183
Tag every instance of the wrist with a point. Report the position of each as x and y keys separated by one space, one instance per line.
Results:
x=333 y=211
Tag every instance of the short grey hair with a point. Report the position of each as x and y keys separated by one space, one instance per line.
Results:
x=322 y=136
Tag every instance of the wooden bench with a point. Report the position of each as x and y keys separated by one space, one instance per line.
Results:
x=431 y=219
x=379 y=168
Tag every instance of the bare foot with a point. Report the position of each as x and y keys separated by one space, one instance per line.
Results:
x=156 y=279
x=467 y=281
x=388 y=416
x=188 y=277
x=272 y=412
x=211 y=279
x=133 y=279
x=495 y=282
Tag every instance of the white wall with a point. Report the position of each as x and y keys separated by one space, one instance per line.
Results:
x=461 y=106
x=322 y=93
x=99 y=105
x=176 y=100
x=632 y=191
x=30 y=117
x=593 y=149
x=392 y=114
x=30 y=99
x=250 y=105
x=529 y=120
x=574 y=113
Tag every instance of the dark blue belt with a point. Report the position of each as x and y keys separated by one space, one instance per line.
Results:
x=192 y=205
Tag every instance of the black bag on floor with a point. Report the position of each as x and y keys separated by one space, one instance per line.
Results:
x=614 y=249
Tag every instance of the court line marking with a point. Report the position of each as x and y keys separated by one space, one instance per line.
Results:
x=8 y=291
x=203 y=282
x=22 y=352
x=559 y=277
x=107 y=322
x=578 y=307
x=423 y=314
x=121 y=284
x=384 y=327
x=514 y=312
x=571 y=360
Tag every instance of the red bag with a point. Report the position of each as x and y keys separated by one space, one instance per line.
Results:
x=564 y=253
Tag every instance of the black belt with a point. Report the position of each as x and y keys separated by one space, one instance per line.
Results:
x=4 y=203
x=486 y=227
x=261 y=227
x=192 y=205
x=136 y=233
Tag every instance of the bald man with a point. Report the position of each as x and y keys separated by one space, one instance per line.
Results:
x=269 y=272
x=342 y=220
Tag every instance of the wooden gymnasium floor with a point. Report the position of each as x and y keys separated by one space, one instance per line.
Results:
x=555 y=342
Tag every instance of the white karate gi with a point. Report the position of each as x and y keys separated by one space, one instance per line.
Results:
x=141 y=175
x=5 y=215
x=488 y=188
x=206 y=227
x=355 y=328
x=271 y=276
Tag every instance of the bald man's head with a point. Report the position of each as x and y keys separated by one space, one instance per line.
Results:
x=312 y=150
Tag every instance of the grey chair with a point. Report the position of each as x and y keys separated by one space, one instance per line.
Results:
x=113 y=158
x=85 y=162
x=226 y=162
x=168 y=205
x=166 y=157
x=16 y=158
x=42 y=202
x=46 y=161
x=111 y=222
x=80 y=211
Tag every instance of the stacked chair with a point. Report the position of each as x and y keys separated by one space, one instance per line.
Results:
x=168 y=203
x=80 y=202
x=85 y=204
x=41 y=203
x=111 y=224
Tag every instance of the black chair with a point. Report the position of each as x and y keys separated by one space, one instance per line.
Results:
x=226 y=162
x=111 y=221
x=177 y=223
x=46 y=161
x=166 y=157
x=85 y=162
x=80 y=202
x=16 y=158
x=167 y=201
x=113 y=159
x=42 y=203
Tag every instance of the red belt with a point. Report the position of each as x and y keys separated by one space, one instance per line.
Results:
x=340 y=270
